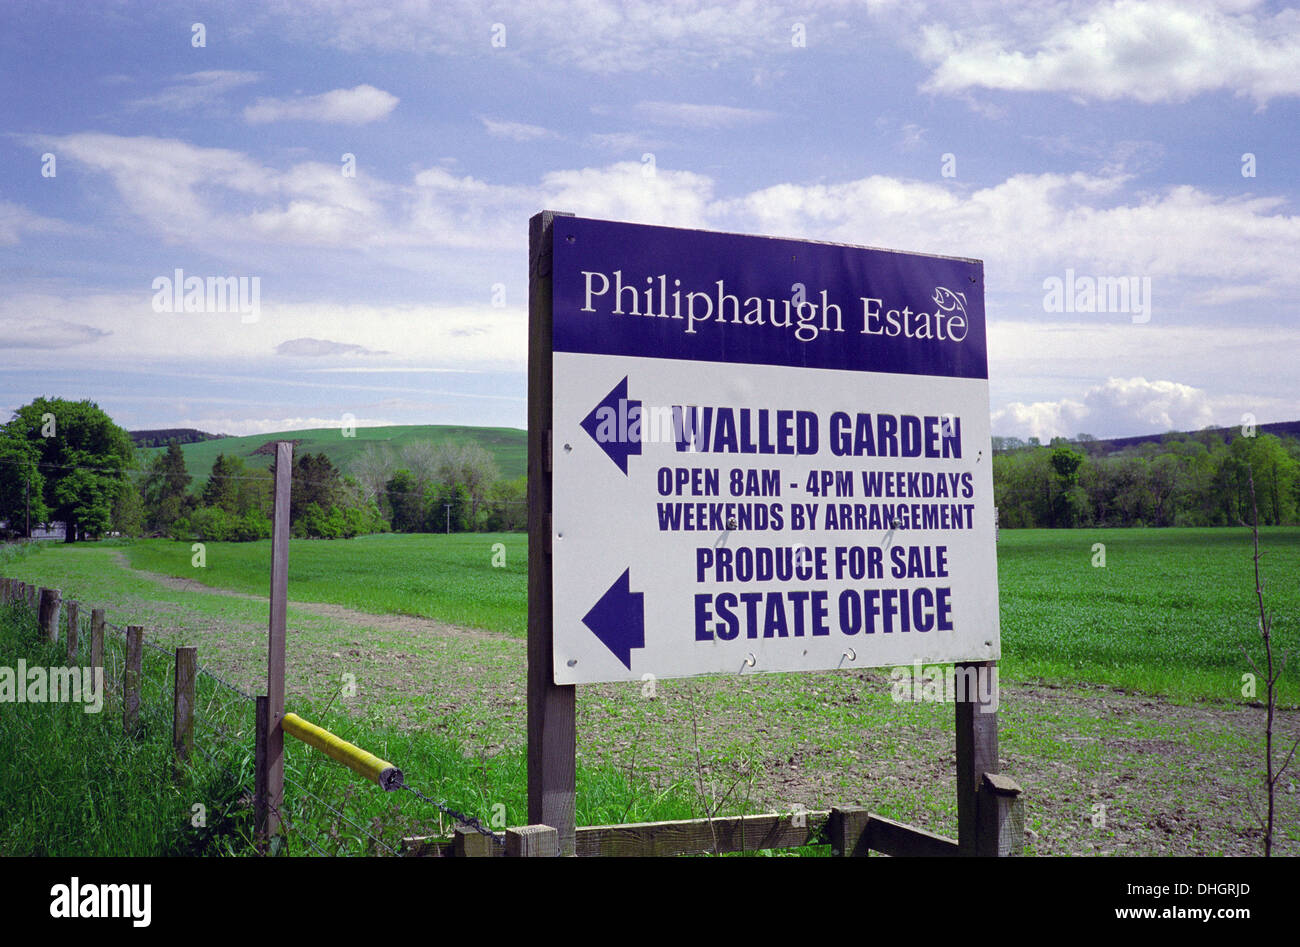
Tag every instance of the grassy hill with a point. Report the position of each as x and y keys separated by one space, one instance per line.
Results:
x=508 y=446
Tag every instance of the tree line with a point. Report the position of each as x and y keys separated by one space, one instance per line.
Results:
x=63 y=461
x=1198 y=479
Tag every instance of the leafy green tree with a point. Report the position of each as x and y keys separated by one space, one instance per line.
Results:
x=507 y=505
x=22 y=488
x=166 y=489
x=448 y=508
x=407 y=505
x=1067 y=499
x=128 y=511
x=316 y=482
x=82 y=455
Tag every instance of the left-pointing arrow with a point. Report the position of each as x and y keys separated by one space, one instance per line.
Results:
x=618 y=619
x=615 y=424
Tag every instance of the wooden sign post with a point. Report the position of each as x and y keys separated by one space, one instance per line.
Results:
x=269 y=756
x=552 y=708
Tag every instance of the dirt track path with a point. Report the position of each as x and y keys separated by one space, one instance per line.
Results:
x=1105 y=772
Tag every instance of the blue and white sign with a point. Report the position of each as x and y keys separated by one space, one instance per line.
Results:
x=768 y=455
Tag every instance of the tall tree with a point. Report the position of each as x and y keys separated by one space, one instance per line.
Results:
x=82 y=455
x=405 y=502
x=166 y=488
x=22 y=488
x=315 y=481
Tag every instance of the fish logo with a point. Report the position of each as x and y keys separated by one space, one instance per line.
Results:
x=949 y=301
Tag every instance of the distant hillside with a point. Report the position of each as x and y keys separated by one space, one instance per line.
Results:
x=508 y=446
x=1279 y=428
x=183 y=435
x=1110 y=445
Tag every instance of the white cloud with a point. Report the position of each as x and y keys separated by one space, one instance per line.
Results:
x=1026 y=357
x=16 y=220
x=637 y=142
x=1197 y=248
x=630 y=190
x=601 y=36
x=1158 y=51
x=121 y=329
x=1115 y=408
x=47 y=333
x=356 y=106
x=243 y=427
x=196 y=89
x=516 y=131
x=1032 y=226
x=688 y=115
x=307 y=347
x=214 y=197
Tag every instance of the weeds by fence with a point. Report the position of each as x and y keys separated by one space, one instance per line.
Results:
x=139 y=801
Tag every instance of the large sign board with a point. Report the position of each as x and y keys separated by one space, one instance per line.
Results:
x=767 y=455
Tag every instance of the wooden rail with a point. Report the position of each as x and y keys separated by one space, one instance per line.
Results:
x=849 y=832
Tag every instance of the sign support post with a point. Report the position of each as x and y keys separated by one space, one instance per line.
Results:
x=552 y=708
x=977 y=754
x=269 y=794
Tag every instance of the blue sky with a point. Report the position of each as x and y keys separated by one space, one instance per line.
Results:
x=1105 y=139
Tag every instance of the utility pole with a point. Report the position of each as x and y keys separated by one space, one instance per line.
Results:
x=448 y=506
x=28 y=494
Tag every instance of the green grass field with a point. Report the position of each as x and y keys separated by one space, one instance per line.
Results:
x=65 y=807
x=1169 y=613
x=508 y=446
x=450 y=578
x=1167 y=616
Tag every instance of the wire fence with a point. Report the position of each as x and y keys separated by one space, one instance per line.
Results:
x=322 y=811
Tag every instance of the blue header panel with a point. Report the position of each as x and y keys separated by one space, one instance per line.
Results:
x=661 y=292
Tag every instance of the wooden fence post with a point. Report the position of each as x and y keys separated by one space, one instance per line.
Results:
x=51 y=601
x=131 y=677
x=187 y=662
x=977 y=754
x=97 y=638
x=847 y=828
x=4 y=590
x=33 y=598
x=262 y=814
x=471 y=843
x=73 y=656
x=1009 y=814
x=552 y=708
x=532 y=841
x=270 y=762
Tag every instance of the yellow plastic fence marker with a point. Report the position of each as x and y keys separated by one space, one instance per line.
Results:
x=380 y=772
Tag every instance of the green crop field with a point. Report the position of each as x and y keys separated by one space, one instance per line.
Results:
x=1166 y=619
x=450 y=578
x=1169 y=613
x=508 y=446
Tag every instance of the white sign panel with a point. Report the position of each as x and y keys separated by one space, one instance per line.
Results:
x=767 y=455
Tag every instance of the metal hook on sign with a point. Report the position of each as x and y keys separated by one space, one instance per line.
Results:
x=749 y=663
x=850 y=654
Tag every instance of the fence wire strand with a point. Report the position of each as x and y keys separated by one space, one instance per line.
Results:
x=154 y=686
